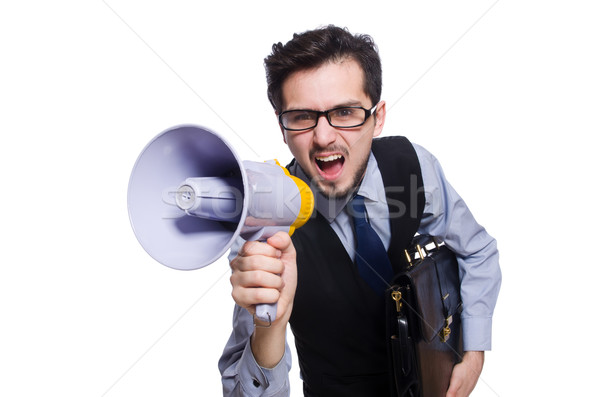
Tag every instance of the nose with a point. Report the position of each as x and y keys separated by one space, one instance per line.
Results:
x=323 y=133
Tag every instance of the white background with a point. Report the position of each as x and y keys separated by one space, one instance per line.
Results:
x=506 y=94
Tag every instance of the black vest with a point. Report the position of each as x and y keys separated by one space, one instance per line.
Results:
x=338 y=321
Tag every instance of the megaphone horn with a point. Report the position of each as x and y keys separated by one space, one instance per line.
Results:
x=190 y=198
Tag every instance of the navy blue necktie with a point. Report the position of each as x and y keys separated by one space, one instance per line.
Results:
x=371 y=259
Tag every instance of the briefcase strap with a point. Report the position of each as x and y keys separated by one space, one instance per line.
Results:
x=403 y=354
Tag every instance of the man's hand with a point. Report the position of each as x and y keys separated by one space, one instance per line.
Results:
x=266 y=273
x=465 y=375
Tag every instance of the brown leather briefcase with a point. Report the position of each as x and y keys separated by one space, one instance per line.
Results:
x=423 y=308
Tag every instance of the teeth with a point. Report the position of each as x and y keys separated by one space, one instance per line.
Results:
x=330 y=158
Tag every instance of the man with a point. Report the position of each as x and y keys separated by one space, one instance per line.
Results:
x=325 y=87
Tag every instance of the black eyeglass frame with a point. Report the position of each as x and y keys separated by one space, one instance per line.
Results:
x=368 y=113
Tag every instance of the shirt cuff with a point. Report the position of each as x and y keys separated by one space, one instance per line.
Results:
x=259 y=381
x=477 y=333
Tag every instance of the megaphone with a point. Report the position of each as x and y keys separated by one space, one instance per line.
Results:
x=190 y=197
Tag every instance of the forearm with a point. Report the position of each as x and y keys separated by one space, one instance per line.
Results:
x=241 y=375
x=474 y=359
x=268 y=344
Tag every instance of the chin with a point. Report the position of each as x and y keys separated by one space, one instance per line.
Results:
x=335 y=190
x=340 y=189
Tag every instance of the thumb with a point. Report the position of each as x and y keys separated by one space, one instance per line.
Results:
x=282 y=242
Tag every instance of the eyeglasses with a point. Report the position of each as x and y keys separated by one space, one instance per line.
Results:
x=342 y=117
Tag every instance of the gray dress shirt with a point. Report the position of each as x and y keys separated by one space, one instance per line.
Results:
x=445 y=216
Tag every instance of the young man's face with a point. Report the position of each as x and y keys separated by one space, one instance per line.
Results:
x=334 y=158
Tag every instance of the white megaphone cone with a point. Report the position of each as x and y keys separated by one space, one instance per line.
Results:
x=190 y=197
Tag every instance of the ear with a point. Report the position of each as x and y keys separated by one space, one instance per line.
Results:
x=379 y=118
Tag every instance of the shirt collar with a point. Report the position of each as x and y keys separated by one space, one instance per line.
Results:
x=330 y=208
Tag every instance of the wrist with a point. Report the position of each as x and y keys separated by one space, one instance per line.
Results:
x=474 y=359
x=268 y=344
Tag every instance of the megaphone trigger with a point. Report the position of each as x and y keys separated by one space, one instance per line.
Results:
x=217 y=199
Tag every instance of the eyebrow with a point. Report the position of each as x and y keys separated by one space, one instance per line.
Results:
x=340 y=105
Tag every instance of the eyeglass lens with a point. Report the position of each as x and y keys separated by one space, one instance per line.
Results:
x=340 y=117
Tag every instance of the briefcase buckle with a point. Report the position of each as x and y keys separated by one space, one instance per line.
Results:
x=445 y=331
x=418 y=252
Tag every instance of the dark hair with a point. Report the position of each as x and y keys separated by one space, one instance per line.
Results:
x=314 y=48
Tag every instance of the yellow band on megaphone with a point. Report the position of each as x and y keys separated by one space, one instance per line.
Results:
x=307 y=200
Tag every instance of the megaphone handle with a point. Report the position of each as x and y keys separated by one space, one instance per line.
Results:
x=266 y=312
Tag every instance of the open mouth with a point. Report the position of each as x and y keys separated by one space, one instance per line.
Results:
x=331 y=166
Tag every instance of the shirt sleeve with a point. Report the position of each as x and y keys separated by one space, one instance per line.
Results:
x=240 y=373
x=447 y=217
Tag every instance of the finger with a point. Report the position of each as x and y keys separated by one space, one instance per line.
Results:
x=256 y=279
x=251 y=248
x=257 y=263
x=248 y=297
x=282 y=242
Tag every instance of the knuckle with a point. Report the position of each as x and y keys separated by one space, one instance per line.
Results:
x=280 y=266
x=243 y=250
x=258 y=278
x=235 y=295
x=253 y=263
x=234 y=279
x=248 y=249
x=234 y=264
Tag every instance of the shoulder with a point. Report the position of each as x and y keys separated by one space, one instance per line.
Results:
x=427 y=160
